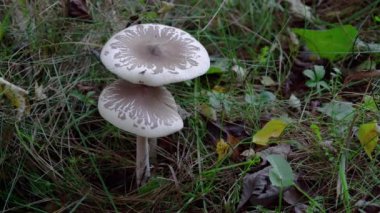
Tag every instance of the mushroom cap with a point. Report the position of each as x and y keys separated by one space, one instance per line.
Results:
x=154 y=55
x=143 y=110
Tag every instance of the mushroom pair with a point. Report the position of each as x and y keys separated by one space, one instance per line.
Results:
x=146 y=57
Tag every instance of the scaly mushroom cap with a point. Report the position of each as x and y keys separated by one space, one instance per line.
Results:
x=143 y=110
x=154 y=55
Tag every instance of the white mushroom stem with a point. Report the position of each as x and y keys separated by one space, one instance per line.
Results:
x=153 y=150
x=142 y=160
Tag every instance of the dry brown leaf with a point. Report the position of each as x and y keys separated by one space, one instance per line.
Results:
x=78 y=9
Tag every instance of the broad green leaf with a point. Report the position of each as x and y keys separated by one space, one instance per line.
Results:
x=332 y=44
x=311 y=84
x=319 y=72
x=273 y=128
x=281 y=175
x=368 y=137
x=310 y=74
x=338 y=110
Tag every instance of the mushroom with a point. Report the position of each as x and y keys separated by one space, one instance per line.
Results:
x=154 y=55
x=148 y=112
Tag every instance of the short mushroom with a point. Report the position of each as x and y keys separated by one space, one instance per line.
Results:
x=155 y=55
x=148 y=112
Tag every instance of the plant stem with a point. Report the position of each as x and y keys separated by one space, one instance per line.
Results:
x=142 y=160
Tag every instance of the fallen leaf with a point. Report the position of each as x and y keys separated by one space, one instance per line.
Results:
x=273 y=128
x=182 y=112
x=207 y=111
x=294 y=102
x=233 y=143
x=257 y=187
x=331 y=44
x=267 y=81
x=292 y=196
x=337 y=110
x=248 y=154
x=258 y=190
x=16 y=96
x=282 y=174
x=363 y=46
x=301 y=208
x=281 y=149
x=38 y=92
x=240 y=72
x=368 y=137
x=361 y=75
x=222 y=149
x=165 y=7
x=300 y=10
x=219 y=89
x=78 y=9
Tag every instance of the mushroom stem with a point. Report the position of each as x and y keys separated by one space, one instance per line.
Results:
x=142 y=160
x=153 y=150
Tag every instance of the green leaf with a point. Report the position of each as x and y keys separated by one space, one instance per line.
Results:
x=311 y=84
x=376 y=19
x=281 y=175
x=319 y=72
x=332 y=44
x=310 y=74
x=338 y=110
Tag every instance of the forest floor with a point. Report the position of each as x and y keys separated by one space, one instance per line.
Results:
x=292 y=83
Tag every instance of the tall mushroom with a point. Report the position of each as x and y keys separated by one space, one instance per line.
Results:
x=142 y=110
x=149 y=56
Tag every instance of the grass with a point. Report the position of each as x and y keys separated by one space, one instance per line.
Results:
x=64 y=157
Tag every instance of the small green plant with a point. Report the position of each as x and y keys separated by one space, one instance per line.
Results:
x=316 y=76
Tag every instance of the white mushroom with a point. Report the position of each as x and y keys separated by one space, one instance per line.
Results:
x=154 y=55
x=148 y=112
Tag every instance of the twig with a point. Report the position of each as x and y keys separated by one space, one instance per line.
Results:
x=362 y=75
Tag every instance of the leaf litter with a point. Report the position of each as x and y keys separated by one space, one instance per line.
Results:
x=263 y=187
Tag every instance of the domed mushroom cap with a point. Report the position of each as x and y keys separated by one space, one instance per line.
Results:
x=154 y=55
x=143 y=110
